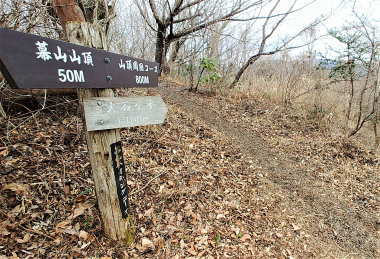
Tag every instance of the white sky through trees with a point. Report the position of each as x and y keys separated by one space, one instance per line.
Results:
x=337 y=13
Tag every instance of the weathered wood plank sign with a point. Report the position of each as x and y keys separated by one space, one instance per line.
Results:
x=122 y=112
x=30 y=61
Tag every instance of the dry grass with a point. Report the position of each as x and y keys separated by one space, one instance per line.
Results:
x=329 y=182
x=312 y=95
x=222 y=177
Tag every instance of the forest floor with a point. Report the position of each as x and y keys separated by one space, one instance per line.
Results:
x=222 y=177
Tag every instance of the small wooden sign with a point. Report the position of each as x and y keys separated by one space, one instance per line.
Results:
x=120 y=177
x=30 y=61
x=122 y=112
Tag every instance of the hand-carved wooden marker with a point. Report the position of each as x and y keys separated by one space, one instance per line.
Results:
x=122 y=112
x=30 y=61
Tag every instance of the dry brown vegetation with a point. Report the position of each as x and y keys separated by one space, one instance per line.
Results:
x=242 y=178
x=264 y=170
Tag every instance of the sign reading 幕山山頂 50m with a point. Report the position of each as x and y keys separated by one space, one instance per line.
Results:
x=30 y=61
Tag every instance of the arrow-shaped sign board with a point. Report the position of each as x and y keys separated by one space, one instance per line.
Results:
x=30 y=61
x=122 y=112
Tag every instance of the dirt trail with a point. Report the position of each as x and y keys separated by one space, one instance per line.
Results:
x=338 y=226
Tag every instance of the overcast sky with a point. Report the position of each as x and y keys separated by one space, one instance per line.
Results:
x=339 y=13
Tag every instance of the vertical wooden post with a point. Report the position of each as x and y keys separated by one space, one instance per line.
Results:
x=99 y=142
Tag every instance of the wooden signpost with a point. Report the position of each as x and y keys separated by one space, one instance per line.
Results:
x=30 y=61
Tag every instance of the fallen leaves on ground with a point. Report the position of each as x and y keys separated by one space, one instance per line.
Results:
x=193 y=191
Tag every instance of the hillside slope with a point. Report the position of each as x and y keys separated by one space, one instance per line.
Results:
x=328 y=183
x=220 y=178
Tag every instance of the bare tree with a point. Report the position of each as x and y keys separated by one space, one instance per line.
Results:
x=173 y=20
x=368 y=110
x=268 y=30
x=357 y=68
x=29 y=16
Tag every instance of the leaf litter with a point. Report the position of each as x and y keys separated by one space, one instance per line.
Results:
x=196 y=190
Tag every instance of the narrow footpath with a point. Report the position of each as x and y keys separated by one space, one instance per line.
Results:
x=339 y=221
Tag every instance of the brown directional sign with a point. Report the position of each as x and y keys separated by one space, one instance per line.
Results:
x=30 y=61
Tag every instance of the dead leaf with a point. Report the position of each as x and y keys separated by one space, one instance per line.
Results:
x=63 y=224
x=296 y=227
x=148 y=213
x=4 y=152
x=77 y=226
x=25 y=239
x=16 y=210
x=220 y=216
x=204 y=230
x=83 y=235
x=192 y=251
x=70 y=231
x=159 y=242
x=3 y=228
x=80 y=209
x=33 y=246
x=17 y=188
x=146 y=245
x=182 y=244
x=66 y=189
x=245 y=237
x=85 y=245
x=201 y=253
x=42 y=251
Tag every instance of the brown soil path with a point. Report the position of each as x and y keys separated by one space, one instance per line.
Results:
x=339 y=221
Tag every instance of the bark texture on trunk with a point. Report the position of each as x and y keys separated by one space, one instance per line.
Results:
x=99 y=145
x=177 y=47
x=239 y=74
x=68 y=11
x=98 y=142
x=160 y=45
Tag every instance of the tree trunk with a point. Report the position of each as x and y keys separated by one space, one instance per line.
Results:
x=215 y=40
x=177 y=47
x=174 y=54
x=98 y=142
x=160 y=47
x=250 y=61
x=240 y=73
